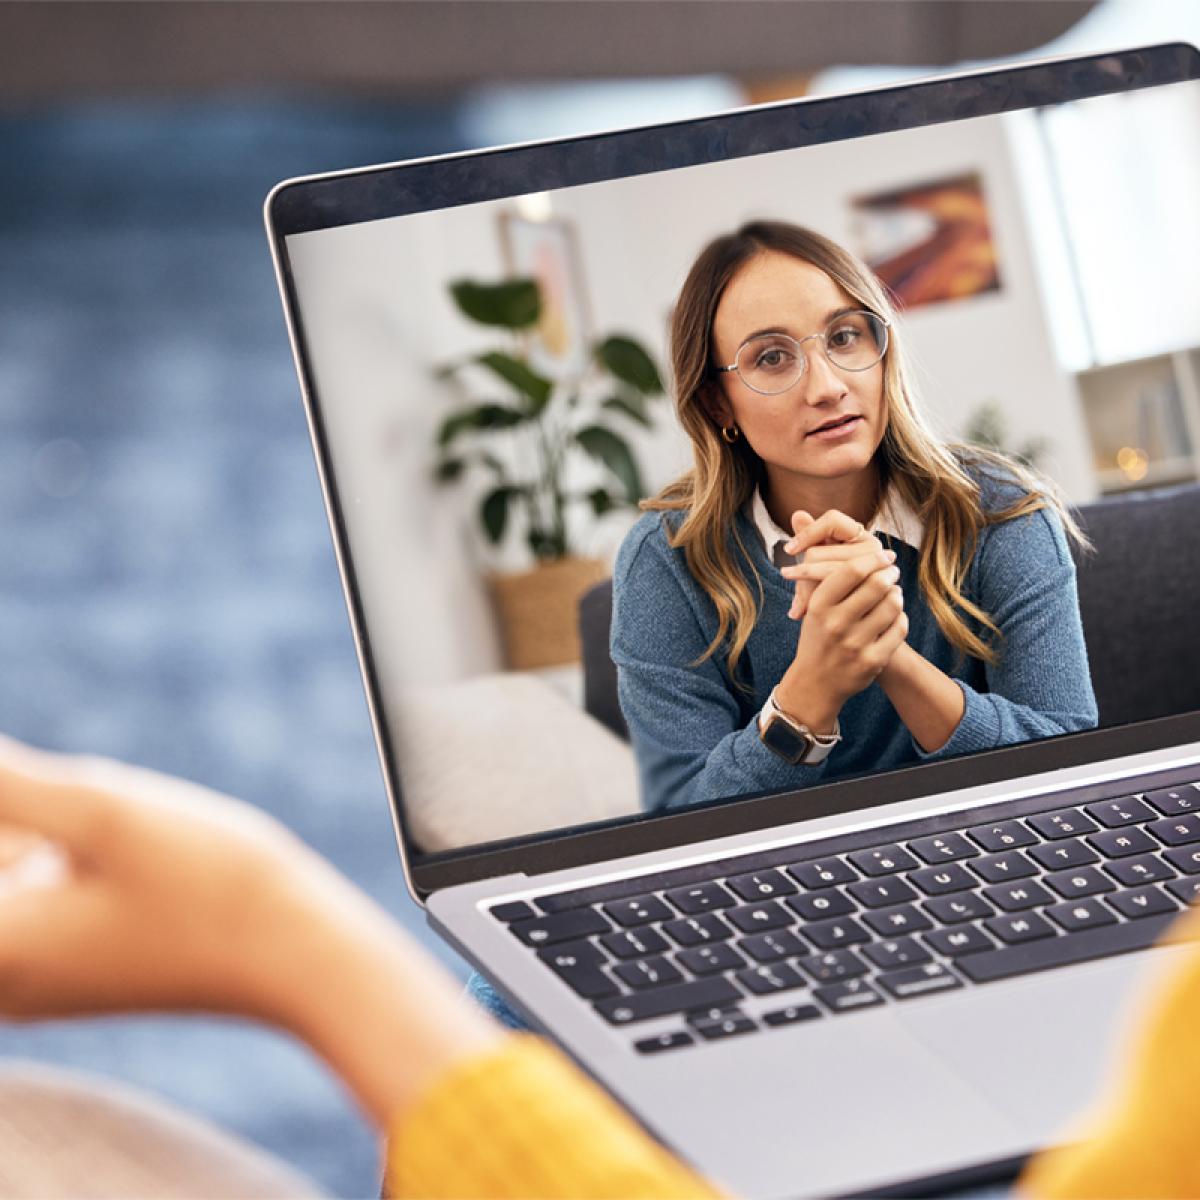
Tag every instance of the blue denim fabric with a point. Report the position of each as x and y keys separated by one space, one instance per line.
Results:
x=488 y=998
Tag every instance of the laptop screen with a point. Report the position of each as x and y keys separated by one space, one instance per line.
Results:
x=681 y=486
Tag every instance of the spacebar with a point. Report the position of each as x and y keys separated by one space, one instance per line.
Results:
x=1070 y=948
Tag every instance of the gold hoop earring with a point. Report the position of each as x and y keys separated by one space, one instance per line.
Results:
x=730 y=433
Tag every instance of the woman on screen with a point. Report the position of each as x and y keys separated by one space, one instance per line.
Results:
x=830 y=589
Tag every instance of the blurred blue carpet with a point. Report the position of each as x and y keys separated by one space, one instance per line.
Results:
x=168 y=592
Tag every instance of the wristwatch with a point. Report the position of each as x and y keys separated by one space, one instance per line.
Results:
x=793 y=742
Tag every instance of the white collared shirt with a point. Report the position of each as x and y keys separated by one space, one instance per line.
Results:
x=895 y=517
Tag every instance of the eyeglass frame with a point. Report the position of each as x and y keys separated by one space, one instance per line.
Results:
x=799 y=344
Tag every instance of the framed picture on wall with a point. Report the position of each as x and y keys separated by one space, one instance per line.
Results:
x=548 y=251
x=929 y=242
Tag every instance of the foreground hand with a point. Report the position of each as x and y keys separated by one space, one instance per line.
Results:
x=123 y=889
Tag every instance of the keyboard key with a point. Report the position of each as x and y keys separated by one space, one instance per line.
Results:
x=965 y=906
x=753 y=918
x=883 y=860
x=935 y=881
x=1087 y=881
x=1173 y=801
x=1145 y=869
x=516 y=910
x=1058 y=856
x=648 y=972
x=996 y=868
x=1001 y=836
x=1081 y=914
x=847 y=995
x=659 y=1002
x=560 y=927
x=730 y=1026
x=578 y=965
x=1012 y=897
x=944 y=847
x=881 y=893
x=664 y=1041
x=891 y=922
x=966 y=939
x=770 y=977
x=1113 y=813
x=698 y=930
x=834 y=964
x=1177 y=831
x=903 y=952
x=1121 y=843
x=1188 y=890
x=841 y=931
x=822 y=872
x=639 y=910
x=771 y=947
x=1184 y=858
x=714 y=1012
x=708 y=960
x=1019 y=927
x=816 y=906
x=1147 y=901
x=634 y=943
x=702 y=897
x=790 y=1015
x=1066 y=822
x=1070 y=948
x=761 y=885
x=919 y=981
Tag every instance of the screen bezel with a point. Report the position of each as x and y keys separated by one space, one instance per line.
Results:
x=372 y=193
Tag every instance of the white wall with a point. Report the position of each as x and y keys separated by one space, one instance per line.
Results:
x=377 y=317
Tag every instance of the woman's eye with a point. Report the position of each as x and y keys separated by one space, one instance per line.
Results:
x=844 y=338
x=772 y=359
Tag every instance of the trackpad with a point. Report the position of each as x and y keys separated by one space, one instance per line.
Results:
x=1041 y=1047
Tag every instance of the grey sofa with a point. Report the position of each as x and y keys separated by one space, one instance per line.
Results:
x=1139 y=596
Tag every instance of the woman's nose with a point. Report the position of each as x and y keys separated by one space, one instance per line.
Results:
x=823 y=382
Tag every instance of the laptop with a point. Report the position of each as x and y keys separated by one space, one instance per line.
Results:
x=886 y=979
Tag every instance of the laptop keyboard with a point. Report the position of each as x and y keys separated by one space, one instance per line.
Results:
x=740 y=945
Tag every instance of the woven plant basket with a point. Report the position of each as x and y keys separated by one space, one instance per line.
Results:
x=539 y=611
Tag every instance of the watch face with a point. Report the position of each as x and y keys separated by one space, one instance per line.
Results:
x=784 y=740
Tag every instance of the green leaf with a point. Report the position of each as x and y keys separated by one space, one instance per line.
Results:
x=482 y=416
x=601 y=501
x=514 y=304
x=449 y=469
x=615 y=454
x=624 y=358
x=528 y=382
x=632 y=406
x=493 y=512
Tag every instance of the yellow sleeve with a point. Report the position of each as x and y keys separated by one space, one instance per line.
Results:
x=1141 y=1142
x=522 y=1121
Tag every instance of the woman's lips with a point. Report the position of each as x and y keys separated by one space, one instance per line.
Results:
x=833 y=432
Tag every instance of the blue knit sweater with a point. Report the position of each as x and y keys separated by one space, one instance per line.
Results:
x=696 y=736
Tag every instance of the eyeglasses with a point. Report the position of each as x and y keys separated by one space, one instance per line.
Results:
x=772 y=362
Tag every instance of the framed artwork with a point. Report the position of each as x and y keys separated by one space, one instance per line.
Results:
x=930 y=242
x=548 y=251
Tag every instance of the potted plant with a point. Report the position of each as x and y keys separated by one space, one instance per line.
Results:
x=548 y=456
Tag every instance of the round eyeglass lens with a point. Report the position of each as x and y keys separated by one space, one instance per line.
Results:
x=774 y=362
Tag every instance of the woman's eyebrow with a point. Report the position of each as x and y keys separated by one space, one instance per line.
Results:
x=829 y=316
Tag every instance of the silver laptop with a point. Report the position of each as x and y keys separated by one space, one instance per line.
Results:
x=873 y=977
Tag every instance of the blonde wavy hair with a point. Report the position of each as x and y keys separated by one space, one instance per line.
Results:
x=928 y=473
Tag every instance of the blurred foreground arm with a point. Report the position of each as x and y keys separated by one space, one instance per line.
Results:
x=125 y=890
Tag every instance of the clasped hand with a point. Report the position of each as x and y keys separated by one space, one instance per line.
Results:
x=848 y=594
